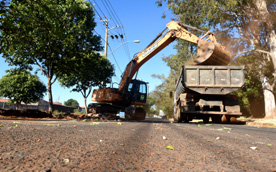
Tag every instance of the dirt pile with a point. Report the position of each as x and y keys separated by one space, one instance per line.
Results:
x=25 y=113
x=34 y=113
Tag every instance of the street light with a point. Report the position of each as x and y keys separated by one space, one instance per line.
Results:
x=135 y=41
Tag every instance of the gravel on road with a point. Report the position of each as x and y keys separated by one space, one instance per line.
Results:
x=58 y=145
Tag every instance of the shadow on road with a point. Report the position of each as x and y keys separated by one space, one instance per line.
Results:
x=194 y=122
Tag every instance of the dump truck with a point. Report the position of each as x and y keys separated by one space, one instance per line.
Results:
x=132 y=93
x=204 y=92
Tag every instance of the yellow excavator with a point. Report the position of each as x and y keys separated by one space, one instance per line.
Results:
x=133 y=92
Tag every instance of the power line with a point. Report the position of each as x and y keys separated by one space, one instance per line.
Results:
x=111 y=13
x=97 y=12
x=116 y=16
x=115 y=60
x=113 y=57
x=100 y=10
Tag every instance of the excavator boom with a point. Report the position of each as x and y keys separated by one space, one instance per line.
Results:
x=208 y=52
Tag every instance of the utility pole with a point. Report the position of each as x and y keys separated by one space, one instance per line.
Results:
x=106 y=37
x=106 y=34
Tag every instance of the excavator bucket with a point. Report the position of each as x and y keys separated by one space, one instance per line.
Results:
x=211 y=53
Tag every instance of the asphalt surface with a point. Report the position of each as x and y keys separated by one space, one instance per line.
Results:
x=152 y=145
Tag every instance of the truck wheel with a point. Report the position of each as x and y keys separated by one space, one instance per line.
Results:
x=185 y=118
x=216 y=118
x=206 y=119
x=177 y=116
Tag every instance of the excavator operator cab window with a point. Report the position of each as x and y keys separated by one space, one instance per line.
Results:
x=137 y=91
x=130 y=87
x=143 y=91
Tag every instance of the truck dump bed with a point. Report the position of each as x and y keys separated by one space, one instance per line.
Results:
x=214 y=80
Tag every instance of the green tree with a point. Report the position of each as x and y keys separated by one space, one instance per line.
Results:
x=72 y=103
x=93 y=70
x=246 y=27
x=250 y=95
x=161 y=95
x=21 y=86
x=149 y=108
x=51 y=34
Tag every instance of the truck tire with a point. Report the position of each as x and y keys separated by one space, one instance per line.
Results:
x=177 y=116
x=206 y=119
x=216 y=118
x=185 y=117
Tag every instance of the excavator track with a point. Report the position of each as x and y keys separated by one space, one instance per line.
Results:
x=135 y=113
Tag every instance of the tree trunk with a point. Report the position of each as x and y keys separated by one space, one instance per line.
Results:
x=17 y=106
x=265 y=17
x=272 y=43
x=272 y=46
x=269 y=98
x=50 y=96
x=85 y=105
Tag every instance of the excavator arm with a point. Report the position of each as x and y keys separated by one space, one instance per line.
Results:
x=209 y=51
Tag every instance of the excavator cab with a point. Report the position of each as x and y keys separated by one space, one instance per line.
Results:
x=137 y=92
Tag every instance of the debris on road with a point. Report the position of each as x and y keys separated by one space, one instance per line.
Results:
x=170 y=147
x=95 y=123
x=133 y=146
x=53 y=125
x=66 y=160
x=253 y=148
x=226 y=128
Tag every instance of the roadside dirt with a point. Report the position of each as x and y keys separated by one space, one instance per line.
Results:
x=37 y=114
x=27 y=113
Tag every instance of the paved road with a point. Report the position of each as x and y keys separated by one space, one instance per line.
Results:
x=135 y=146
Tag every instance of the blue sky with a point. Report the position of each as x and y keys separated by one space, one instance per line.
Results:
x=141 y=21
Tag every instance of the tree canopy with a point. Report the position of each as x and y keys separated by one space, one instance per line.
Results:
x=92 y=70
x=72 y=103
x=51 y=34
x=21 y=86
x=161 y=94
x=245 y=27
x=149 y=108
